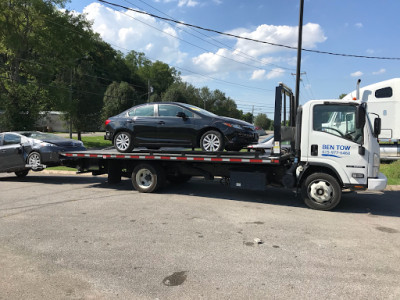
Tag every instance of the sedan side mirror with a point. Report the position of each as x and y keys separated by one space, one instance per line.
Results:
x=182 y=115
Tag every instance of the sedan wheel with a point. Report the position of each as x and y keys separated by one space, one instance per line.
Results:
x=212 y=141
x=123 y=142
x=34 y=159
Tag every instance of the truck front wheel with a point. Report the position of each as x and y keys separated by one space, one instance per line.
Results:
x=321 y=191
x=147 y=178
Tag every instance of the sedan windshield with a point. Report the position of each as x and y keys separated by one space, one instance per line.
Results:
x=199 y=110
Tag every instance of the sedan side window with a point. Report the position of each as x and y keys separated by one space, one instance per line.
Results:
x=11 y=139
x=142 y=111
x=168 y=110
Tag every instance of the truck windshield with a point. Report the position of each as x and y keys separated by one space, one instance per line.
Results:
x=339 y=120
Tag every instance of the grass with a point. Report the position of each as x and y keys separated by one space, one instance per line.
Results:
x=392 y=172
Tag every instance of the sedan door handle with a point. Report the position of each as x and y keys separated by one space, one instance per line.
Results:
x=161 y=123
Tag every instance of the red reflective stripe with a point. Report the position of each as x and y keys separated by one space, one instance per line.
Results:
x=149 y=157
x=198 y=158
x=216 y=159
x=256 y=160
x=92 y=155
x=165 y=157
x=80 y=155
x=236 y=159
x=134 y=156
x=181 y=158
x=120 y=156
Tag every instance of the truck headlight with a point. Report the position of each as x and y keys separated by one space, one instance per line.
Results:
x=377 y=163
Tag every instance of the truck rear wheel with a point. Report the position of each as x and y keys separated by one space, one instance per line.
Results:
x=148 y=178
x=321 y=191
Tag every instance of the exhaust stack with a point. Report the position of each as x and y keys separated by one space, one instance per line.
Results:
x=358 y=89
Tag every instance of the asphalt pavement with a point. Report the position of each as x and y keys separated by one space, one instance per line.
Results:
x=78 y=237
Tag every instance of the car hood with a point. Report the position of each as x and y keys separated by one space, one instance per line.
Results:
x=62 y=143
x=236 y=121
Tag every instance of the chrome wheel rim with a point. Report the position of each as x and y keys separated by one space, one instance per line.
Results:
x=211 y=142
x=34 y=159
x=144 y=178
x=321 y=191
x=122 y=142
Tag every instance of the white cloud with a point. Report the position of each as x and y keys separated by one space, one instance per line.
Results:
x=189 y=3
x=216 y=62
x=132 y=31
x=370 y=51
x=381 y=71
x=357 y=74
x=359 y=25
x=262 y=74
x=286 y=35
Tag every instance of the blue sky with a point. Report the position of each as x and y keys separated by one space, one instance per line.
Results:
x=247 y=71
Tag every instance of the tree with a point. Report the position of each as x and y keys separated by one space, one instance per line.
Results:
x=341 y=96
x=263 y=121
x=248 y=117
x=36 y=46
x=119 y=97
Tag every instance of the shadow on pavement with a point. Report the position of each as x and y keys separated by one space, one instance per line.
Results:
x=384 y=204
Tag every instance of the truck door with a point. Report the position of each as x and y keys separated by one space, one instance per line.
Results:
x=337 y=143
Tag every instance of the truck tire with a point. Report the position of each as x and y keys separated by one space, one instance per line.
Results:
x=321 y=191
x=123 y=142
x=148 y=178
x=212 y=141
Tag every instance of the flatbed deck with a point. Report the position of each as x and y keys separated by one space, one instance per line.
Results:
x=192 y=156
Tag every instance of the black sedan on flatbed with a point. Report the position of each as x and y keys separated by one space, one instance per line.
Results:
x=173 y=124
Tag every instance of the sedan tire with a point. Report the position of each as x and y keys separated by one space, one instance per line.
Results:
x=34 y=159
x=21 y=174
x=123 y=142
x=212 y=141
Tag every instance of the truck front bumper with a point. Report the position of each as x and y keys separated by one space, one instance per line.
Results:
x=377 y=184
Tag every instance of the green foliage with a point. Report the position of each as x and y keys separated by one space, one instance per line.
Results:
x=341 y=96
x=263 y=121
x=119 y=97
x=50 y=59
x=392 y=172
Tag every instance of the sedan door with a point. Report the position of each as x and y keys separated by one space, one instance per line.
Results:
x=11 y=152
x=174 y=130
x=143 y=124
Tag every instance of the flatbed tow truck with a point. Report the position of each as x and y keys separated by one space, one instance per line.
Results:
x=320 y=162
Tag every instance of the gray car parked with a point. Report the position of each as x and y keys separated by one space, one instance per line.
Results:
x=26 y=150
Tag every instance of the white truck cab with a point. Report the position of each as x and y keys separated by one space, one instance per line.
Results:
x=338 y=143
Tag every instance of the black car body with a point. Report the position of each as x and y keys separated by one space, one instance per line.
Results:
x=172 y=124
x=22 y=151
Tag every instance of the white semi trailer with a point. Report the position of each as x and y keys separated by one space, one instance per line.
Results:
x=383 y=100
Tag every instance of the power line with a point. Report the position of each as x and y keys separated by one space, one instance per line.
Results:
x=197 y=46
x=234 y=50
x=206 y=76
x=246 y=38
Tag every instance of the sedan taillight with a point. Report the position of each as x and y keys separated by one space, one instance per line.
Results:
x=107 y=121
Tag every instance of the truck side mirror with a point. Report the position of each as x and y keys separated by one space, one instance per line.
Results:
x=377 y=126
x=360 y=116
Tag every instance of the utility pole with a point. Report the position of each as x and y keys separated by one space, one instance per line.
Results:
x=70 y=103
x=299 y=46
x=252 y=114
